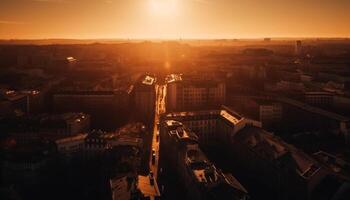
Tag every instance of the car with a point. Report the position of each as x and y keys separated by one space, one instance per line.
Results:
x=153 y=156
x=157 y=136
x=151 y=178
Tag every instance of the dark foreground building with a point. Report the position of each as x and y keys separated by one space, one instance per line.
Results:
x=263 y=158
x=201 y=179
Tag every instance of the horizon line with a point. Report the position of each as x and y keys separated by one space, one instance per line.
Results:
x=183 y=38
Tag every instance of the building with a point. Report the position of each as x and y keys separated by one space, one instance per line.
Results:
x=144 y=97
x=306 y=77
x=15 y=101
x=181 y=154
x=98 y=141
x=71 y=145
x=298 y=48
x=28 y=101
x=283 y=169
x=65 y=124
x=5 y=107
x=323 y=99
x=280 y=167
x=194 y=94
x=24 y=163
x=26 y=129
x=123 y=187
x=341 y=102
x=104 y=107
x=290 y=86
x=89 y=101
x=213 y=126
x=270 y=113
x=267 y=111
x=334 y=163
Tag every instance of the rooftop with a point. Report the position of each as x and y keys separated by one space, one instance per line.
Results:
x=12 y=95
x=211 y=179
x=148 y=80
x=202 y=169
x=336 y=164
x=231 y=117
x=196 y=113
x=72 y=138
x=312 y=109
x=183 y=133
x=272 y=148
x=173 y=78
x=42 y=121
x=91 y=92
x=173 y=124
x=225 y=112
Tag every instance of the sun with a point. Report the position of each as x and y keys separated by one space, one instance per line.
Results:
x=163 y=8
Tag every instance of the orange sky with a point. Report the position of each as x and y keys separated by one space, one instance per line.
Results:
x=82 y=19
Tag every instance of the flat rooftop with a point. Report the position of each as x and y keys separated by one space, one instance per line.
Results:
x=173 y=78
x=148 y=80
x=226 y=113
x=173 y=123
x=234 y=119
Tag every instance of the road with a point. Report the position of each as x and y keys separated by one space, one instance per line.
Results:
x=160 y=108
x=152 y=190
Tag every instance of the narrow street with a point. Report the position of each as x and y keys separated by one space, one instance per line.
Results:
x=148 y=186
x=159 y=109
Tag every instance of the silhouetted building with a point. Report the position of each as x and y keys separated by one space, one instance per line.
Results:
x=105 y=107
x=213 y=126
x=323 y=99
x=25 y=163
x=98 y=141
x=298 y=48
x=270 y=113
x=182 y=155
x=123 y=187
x=144 y=97
x=282 y=168
x=192 y=94
x=27 y=129
x=71 y=145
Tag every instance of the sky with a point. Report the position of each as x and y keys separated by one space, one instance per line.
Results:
x=173 y=19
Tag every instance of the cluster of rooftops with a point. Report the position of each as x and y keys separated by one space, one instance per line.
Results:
x=205 y=174
x=266 y=145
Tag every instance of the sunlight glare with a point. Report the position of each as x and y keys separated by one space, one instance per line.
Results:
x=163 y=8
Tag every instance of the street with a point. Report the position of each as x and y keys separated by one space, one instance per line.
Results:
x=148 y=186
x=160 y=108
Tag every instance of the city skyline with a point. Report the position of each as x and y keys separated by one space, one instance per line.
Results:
x=172 y=19
x=175 y=99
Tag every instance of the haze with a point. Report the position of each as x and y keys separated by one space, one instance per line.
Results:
x=165 y=19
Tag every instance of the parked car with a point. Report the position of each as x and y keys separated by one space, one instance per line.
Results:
x=153 y=156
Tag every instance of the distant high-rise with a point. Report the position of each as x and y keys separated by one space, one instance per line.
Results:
x=298 y=47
